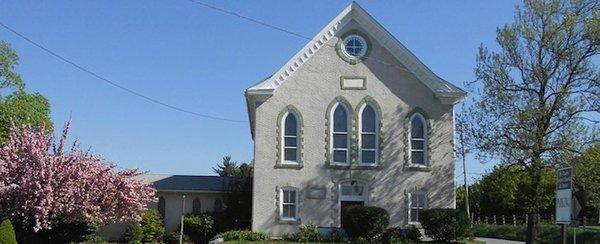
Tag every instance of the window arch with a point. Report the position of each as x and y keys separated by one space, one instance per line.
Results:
x=161 y=206
x=353 y=190
x=218 y=206
x=339 y=132
x=196 y=205
x=290 y=137
x=417 y=140
x=368 y=135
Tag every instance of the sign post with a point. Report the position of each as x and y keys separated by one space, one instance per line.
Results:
x=564 y=193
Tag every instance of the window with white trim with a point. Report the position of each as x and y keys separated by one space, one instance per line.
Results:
x=369 y=137
x=290 y=139
x=340 y=136
x=418 y=140
x=417 y=202
x=288 y=203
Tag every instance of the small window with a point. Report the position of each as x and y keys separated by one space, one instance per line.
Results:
x=290 y=139
x=417 y=202
x=288 y=198
x=368 y=136
x=161 y=206
x=418 y=140
x=355 y=46
x=340 y=152
x=196 y=206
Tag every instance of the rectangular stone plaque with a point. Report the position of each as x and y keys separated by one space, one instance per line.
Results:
x=316 y=193
x=352 y=83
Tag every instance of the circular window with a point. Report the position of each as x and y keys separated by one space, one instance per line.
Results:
x=354 y=46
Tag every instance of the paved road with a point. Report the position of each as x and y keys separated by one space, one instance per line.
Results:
x=497 y=241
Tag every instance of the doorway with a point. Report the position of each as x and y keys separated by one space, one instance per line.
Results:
x=352 y=193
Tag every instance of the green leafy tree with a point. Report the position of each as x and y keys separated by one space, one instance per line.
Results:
x=22 y=108
x=535 y=94
x=238 y=202
x=587 y=179
x=8 y=60
x=18 y=107
x=500 y=192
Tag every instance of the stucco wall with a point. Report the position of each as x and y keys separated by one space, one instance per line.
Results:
x=311 y=89
x=173 y=212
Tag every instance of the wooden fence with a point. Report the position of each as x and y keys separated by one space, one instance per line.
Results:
x=523 y=219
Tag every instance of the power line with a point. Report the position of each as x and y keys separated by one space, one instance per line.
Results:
x=290 y=32
x=115 y=84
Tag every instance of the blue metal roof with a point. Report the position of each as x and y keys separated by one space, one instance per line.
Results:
x=187 y=182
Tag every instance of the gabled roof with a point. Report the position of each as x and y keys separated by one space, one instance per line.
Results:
x=444 y=90
x=186 y=183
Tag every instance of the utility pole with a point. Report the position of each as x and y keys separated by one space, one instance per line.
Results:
x=463 y=154
x=182 y=216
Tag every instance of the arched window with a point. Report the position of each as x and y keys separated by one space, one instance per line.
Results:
x=218 y=205
x=290 y=138
x=196 y=205
x=339 y=129
x=418 y=140
x=161 y=206
x=369 y=135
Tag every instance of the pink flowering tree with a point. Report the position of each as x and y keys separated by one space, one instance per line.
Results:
x=42 y=184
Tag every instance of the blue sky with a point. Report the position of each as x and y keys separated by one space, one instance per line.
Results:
x=202 y=60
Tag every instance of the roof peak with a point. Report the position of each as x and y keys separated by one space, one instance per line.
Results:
x=444 y=90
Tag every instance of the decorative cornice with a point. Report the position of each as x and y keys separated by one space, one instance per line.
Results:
x=376 y=32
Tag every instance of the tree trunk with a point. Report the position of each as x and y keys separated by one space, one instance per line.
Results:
x=533 y=224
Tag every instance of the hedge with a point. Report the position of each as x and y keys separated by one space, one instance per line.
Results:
x=199 y=227
x=149 y=229
x=366 y=222
x=244 y=235
x=444 y=224
x=548 y=233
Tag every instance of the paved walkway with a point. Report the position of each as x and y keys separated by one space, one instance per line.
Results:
x=497 y=241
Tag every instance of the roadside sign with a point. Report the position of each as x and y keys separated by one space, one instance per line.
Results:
x=564 y=201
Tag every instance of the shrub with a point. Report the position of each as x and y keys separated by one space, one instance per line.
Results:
x=308 y=233
x=548 y=233
x=152 y=225
x=444 y=224
x=133 y=233
x=366 y=221
x=173 y=238
x=200 y=227
x=244 y=235
x=399 y=234
x=64 y=232
x=7 y=234
x=336 y=236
